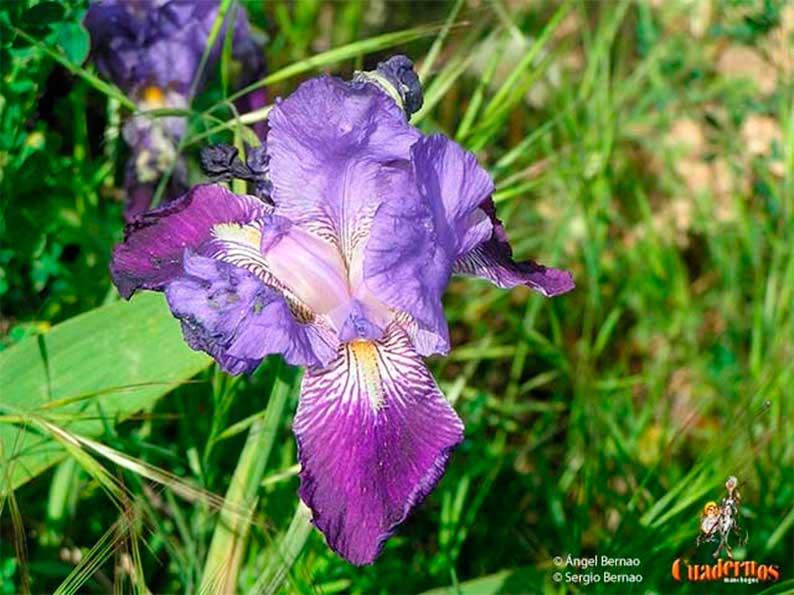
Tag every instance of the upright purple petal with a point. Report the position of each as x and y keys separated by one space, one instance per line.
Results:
x=408 y=257
x=154 y=243
x=374 y=437
x=451 y=180
x=326 y=143
x=127 y=44
x=167 y=64
x=139 y=44
x=116 y=36
x=231 y=314
x=429 y=216
x=185 y=17
x=493 y=260
x=306 y=264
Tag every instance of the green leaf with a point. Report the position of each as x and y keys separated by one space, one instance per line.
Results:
x=74 y=40
x=103 y=365
x=285 y=552
x=100 y=85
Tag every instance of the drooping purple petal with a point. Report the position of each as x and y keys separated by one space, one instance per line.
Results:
x=493 y=260
x=154 y=243
x=231 y=314
x=115 y=35
x=326 y=143
x=374 y=436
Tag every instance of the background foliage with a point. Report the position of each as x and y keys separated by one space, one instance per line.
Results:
x=649 y=147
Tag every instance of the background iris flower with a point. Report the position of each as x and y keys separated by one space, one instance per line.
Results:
x=343 y=274
x=153 y=50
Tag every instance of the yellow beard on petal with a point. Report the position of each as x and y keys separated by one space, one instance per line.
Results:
x=247 y=235
x=364 y=356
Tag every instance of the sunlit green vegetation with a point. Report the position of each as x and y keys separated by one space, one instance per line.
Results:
x=648 y=147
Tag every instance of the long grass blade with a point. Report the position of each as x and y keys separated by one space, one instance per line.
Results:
x=345 y=52
x=285 y=552
x=228 y=541
x=427 y=64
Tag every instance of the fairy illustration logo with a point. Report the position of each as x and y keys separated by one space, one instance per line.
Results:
x=719 y=525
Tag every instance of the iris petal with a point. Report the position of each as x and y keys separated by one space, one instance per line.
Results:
x=454 y=185
x=408 y=258
x=231 y=314
x=374 y=436
x=154 y=243
x=308 y=265
x=326 y=143
x=493 y=260
x=430 y=217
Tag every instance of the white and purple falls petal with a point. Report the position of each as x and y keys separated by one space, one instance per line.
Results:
x=374 y=436
x=344 y=274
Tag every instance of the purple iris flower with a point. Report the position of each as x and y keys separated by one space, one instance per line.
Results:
x=152 y=50
x=342 y=271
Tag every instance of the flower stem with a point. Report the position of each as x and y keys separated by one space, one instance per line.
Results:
x=228 y=540
x=285 y=552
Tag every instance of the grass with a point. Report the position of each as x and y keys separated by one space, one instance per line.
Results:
x=628 y=143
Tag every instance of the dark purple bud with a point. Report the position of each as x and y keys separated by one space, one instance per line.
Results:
x=222 y=163
x=399 y=71
x=258 y=161
x=217 y=161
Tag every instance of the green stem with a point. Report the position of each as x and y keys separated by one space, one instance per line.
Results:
x=228 y=541
x=285 y=552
